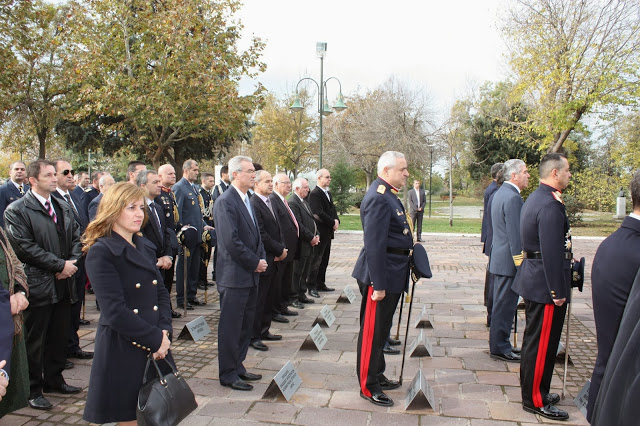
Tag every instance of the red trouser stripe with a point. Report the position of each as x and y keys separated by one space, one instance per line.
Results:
x=543 y=345
x=367 y=341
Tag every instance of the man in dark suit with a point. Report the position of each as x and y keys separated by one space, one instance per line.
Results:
x=189 y=205
x=274 y=246
x=155 y=230
x=217 y=191
x=46 y=238
x=486 y=234
x=506 y=256
x=614 y=269
x=417 y=201
x=382 y=272
x=241 y=259
x=291 y=234
x=64 y=192
x=94 y=189
x=106 y=181
x=309 y=237
x=544 y=281
x=14 y=188
x=326 y=217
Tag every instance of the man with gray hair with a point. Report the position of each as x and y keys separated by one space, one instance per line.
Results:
x=505 y=257
x=382 y=272
x=241 y=259
x=326 y=217
x=105 y=182
x=309 y=237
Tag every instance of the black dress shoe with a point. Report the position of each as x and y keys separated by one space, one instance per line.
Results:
x=297 y=305
x=551 y=398
x=272 y=337
x=90 y=290
x=379 y=399
x=175 y=314
x=325 y=288
x=509 y=357
x=314 y=293
x=288 y=312
x=258 y=345
x=238 y=385
x=81 y=355
x=68 y=364
x=196 y=302
x=250 y=377
x=280 y=318
x=387 y=384
x=393 y=342
x=420 y=240
x=390 y=350
x=305 y=299
x=63 y=388
x=516 y=350
x=181 y=306
x=84 y=322
x=549 y=411
x=40 y=403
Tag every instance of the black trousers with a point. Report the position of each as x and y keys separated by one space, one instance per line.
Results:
x=193 y=271
x=285 y=286
x=319 y=263
x=539 y=346
x=375 y=323
x=46 y=337
x=206 y=256
x=264 y=312
x=488 y=293
x=301 y=269
x=417 y=223
x=237 y=311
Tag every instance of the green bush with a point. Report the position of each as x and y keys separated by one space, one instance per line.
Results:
x=343 y=179
x=574 y=208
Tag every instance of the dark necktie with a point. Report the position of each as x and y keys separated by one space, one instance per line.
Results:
x=68 y=198
x=52 y=213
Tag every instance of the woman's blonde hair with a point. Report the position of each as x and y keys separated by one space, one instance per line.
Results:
x=113 y=202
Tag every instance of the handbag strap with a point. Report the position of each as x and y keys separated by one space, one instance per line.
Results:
x=150 y=360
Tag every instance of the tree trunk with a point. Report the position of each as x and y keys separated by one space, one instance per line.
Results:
x=42 y=144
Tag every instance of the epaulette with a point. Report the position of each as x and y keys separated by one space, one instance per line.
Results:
x=558 y=196
x=88 y=189
x=381 y=189
x=164 y=189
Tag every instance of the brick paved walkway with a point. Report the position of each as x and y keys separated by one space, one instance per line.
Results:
x=469 y=387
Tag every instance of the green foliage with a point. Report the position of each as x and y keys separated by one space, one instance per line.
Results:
x=343 y=179
x=165 y=73
x=573 y=207
x=595 y=190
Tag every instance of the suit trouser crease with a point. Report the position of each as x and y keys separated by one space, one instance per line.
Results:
x=301 y=272
x=284 y=287
x=417 y=223
x=264 y=314
x=46 y=336
x=375 y=320
x=193 y=272
x=505 y=305
x=539 y=346
x=237 y=311
x=319 y=263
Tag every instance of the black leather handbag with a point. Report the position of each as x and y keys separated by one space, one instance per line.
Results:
x=164 y=400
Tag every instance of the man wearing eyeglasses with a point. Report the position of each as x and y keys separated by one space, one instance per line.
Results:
x=15 y=187
x=241 y=259
x=64 y=192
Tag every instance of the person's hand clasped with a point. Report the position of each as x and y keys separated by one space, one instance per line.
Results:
x=69 y=269
x=559 y=302
x=18 y=303
x=3 y=381
x=262 y=266
x=164 y=346
x=378 y=295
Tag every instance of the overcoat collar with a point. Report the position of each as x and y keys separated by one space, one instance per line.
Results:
x=145 y=248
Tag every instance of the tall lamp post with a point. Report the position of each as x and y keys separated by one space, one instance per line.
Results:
x=430 y=174
x=323 y=102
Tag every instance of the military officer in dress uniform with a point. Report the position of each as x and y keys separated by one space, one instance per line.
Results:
x=382 y=272
x=544 y=281
x=168 y=202
x=206 y=193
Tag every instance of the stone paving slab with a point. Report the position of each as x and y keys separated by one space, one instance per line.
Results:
x=470 y=388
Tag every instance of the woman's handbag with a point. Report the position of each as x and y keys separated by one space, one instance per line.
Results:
x=165 y=400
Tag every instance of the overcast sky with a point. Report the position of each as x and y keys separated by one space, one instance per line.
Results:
x=437 y=46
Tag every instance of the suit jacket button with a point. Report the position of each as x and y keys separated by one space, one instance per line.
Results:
x=135 y=311
x=155 y=308
x=154 y=282
x=138 y=285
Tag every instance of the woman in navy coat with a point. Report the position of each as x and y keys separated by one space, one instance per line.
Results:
x=135 y=316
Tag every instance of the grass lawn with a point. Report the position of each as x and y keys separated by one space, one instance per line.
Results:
x=433 y=224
